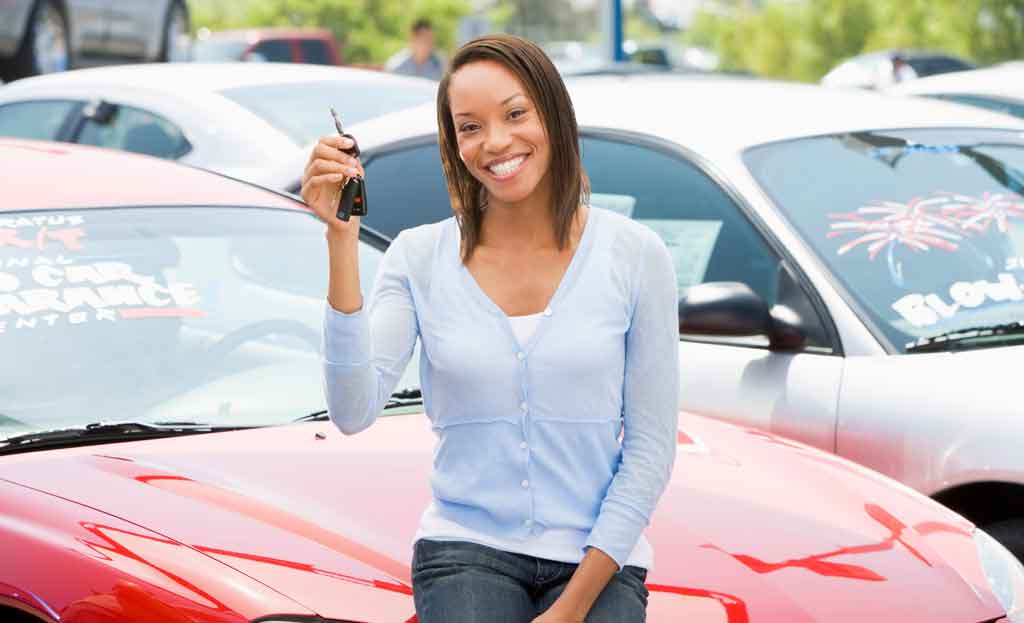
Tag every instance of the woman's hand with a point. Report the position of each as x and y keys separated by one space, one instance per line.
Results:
x=555 y=615
x=327 y=170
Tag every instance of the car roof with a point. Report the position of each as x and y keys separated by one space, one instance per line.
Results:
x=1001 y=81
x=41 y=175
x=204 y=77
x=253 y=35
x=720 y=115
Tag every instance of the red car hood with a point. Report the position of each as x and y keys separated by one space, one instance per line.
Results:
x=752 y=527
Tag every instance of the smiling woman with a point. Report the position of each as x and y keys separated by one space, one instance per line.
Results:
x=556 y=440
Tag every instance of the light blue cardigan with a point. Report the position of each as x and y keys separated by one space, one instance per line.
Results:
x=576 y=430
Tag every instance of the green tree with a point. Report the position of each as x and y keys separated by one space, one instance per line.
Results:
x=369 y=31
x=804 y=40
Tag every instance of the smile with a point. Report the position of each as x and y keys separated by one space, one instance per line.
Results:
x=507 y=168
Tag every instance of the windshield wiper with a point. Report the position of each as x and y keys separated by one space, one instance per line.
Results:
x=105 y=432
x=408 y=397
x=962 y=339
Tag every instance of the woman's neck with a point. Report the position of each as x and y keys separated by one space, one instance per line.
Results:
x=527 y=224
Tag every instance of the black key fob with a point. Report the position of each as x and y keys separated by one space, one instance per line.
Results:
x=352 y=199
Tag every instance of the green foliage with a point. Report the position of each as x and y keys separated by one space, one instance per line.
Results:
x=369 y=31
x=803 y=40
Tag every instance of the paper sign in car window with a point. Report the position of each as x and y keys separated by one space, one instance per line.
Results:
x=690 y=242
x=620 y=204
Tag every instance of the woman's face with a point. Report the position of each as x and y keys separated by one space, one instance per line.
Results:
x=499 y=131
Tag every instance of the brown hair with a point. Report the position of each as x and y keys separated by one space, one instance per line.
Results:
x=569 y=183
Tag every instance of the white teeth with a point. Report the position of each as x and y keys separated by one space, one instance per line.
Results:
x=504 y=168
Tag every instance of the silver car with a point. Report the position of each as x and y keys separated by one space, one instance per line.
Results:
x=44 y=36
x=851 y=264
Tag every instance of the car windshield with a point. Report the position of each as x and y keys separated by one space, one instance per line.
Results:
x=923 y=228
x=300 y=110
x=205 y=314
x=1004 y=105
x=212 y=50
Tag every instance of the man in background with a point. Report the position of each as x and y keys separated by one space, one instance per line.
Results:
x=419 y=59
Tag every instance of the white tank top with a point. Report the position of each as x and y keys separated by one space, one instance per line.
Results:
x=561 y=545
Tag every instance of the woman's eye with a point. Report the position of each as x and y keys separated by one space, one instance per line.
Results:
x=468 y=127
x=515 y=114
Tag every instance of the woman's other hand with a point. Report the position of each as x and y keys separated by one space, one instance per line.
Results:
x=327 y=170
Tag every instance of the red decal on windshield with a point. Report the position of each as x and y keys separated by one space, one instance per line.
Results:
x=916 y=224
x=10 y=237
x=978 y=213
x=70 y=238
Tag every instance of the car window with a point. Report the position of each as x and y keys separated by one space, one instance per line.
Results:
x=709 y=237
x=41 y=120
x=932 y=65
x=274 y=51
x=421 y=197
x=217 y=50
x=302 y=109
x=209 y=314
x=135 y=130
x=924 y=228
x=315 y=52
x=998 y=104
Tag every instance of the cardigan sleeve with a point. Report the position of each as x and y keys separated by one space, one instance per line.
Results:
x=365 y=352
x=650 y=407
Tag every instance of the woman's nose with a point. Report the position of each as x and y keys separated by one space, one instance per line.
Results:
x=498 y=138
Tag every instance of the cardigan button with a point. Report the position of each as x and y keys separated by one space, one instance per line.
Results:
x=520 y=355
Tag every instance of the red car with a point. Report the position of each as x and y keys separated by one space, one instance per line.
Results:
x=277 y=45
x=164 y=456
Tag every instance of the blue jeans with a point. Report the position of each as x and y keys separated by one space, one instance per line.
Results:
x=462 y=582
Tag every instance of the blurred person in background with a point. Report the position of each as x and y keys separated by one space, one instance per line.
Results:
x=901 y=69
x=419 y=59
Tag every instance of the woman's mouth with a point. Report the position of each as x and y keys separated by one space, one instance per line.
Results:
x=506 y=168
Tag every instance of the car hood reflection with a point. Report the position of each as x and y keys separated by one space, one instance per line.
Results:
x=752 y=527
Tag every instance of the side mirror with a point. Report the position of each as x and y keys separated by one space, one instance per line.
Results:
x=726 y=308
x=732 y=309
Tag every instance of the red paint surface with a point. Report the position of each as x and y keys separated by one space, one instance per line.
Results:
x=40 y=176
x=753 y=529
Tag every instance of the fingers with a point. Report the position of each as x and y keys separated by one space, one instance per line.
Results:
x=320 y=167
x=324 y=157
x=337 y=142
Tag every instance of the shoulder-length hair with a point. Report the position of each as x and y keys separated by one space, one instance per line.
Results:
x=569 y=184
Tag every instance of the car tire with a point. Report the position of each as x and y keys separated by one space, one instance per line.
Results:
x=48 y=26
x=1010 y=533
x=176 y=21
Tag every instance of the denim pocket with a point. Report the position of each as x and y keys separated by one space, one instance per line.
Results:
x=636 y=577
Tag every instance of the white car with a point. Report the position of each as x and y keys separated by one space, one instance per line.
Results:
x=234 y=118
x=851 y=264
x=999 y=88
x=878 y=70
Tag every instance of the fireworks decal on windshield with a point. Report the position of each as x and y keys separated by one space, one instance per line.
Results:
x=977 y=214
x=919 y=224
x=939 y=222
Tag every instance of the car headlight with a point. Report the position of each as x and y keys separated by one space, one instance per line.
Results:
x=1004 y=573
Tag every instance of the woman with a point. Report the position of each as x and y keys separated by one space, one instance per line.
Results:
x=548 y=332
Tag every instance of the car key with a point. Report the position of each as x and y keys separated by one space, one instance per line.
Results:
x=352 y=199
